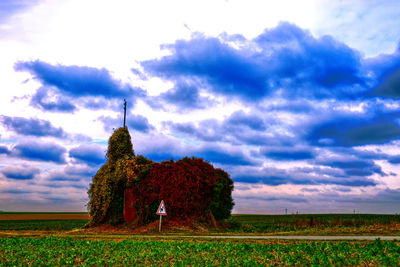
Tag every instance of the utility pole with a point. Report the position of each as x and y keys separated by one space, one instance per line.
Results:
x=124 y=112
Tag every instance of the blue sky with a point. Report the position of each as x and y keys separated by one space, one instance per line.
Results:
x=297 y=100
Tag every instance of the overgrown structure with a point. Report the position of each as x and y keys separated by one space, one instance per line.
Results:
x=129 y=188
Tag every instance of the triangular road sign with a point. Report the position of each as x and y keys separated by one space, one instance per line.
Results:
x=161 y=209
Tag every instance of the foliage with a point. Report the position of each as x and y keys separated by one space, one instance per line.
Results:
x=222 y=203
x=125 y=184
x=107 y=189
x=191 y=188
x=52 y=251
x=120 y=145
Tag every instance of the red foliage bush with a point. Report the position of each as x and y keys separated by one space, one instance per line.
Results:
x=190 y=188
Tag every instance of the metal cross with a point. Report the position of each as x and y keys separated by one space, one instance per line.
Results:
x=124 y=112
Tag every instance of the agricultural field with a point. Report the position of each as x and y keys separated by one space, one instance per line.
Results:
x=42 y=221
x=304 y=224
x=56 y=239
x=316 y=224
x=56 y=251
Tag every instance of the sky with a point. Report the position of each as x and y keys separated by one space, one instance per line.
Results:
x=297 y=100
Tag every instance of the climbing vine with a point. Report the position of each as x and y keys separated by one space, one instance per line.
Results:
x=129 y=188
x=106 y=192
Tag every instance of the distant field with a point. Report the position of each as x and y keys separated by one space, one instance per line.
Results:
x=302 y=224
x=43 y=216
x=44 y=225
x=316 y=224
x=42 y=220
x=38 y=212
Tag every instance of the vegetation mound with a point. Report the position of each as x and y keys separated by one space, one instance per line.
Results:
x=129 y=188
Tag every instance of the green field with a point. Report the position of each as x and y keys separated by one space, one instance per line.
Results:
x=318 y=224
x=50 y=251
x=304 y=224
x=62 y=247
x=44 y=225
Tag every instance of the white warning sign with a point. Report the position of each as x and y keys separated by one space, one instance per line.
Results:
x=161 y=209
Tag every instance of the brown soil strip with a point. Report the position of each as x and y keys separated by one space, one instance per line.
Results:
x=7 y=217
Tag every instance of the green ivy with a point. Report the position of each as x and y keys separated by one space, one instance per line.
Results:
x=106 y=201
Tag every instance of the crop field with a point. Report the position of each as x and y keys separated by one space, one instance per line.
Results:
x=27 y=240
x=304 y=224
x=316 y=224
x=56 y=251
x=42 y=221
x=45 y=225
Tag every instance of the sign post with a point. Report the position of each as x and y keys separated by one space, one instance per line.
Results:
x=161 y=211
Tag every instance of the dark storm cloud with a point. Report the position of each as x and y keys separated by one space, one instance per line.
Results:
x=89 y=154
x=71 y=174
x=394 y=159
x=294 y=199
x=228 y=71
x=185 y=95
x=20 y=172
x=139 y=123
x=239 y=128
x=288 y=153
x=4 y=150
x=390 y=86
x=65 y=88
x=360 y=153
x=285 y=58
x=40 y=151
x=352 y=166
x=299 y=176
x=80 y=170
x=31 y=126
x=270 y=180
x=315 y=61
x=219 y=155
x=77 y=81
x=250 y=120
x=166 y=149
x=386 y=71
x=354 y=131
x=44 y=99
x=206 y=130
